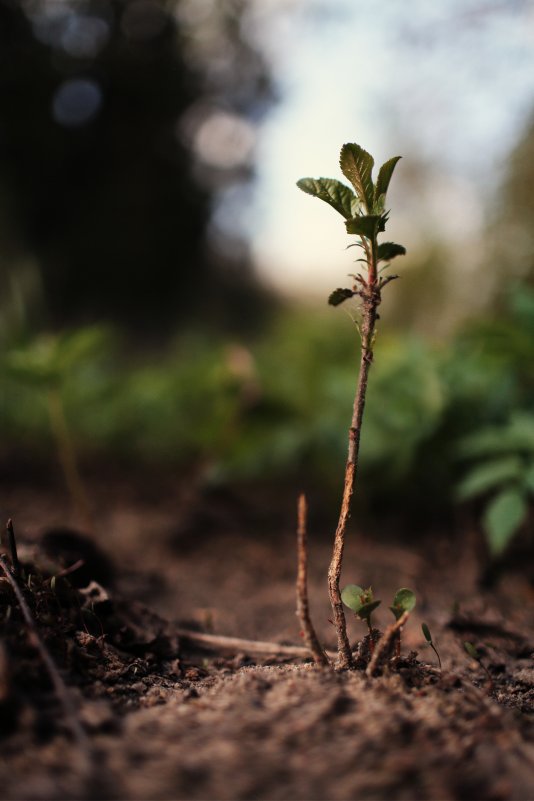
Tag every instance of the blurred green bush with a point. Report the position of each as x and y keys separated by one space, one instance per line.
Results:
x=280 y=406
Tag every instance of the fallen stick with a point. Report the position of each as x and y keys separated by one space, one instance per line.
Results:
x=219 y=642
x=303 y=609
x=385 y=642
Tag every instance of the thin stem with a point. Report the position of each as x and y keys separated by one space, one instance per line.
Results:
x=67 y=457
x=371 y=300
x=384 y=644
x=12 y=545
x=303 y=610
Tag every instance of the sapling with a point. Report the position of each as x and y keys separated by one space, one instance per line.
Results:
x=363 y=605
x=474 y=654
x=365 y=216
x=428 y=638
x=44 y=365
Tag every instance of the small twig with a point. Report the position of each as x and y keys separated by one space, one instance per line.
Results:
x=218 y=642
x=303 y=609
x=390 y=634
x=59 y=685
x=12 y=545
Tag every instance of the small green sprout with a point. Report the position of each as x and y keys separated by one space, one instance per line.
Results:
x=428 y=638
x=362 y=604
x=477 y=656
x=404 y=601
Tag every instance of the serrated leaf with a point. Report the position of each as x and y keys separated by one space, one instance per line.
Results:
x=404 y=601
x=333 y=192
x=379 y=204
x=339 y=295
x=384 y=176
x=364 y=226
x=426 y=632
x=389 y=250
x=487 y=476
x=357 y=165
x=352 y=596
x=503 y=517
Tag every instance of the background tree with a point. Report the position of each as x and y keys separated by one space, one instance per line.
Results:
x=104 y=171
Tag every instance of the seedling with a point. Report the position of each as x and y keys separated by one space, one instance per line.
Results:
x=365 y=216
x=45 y=364
x=428 y=638
x=474 y=654
x=362 y=604
x=404 y=601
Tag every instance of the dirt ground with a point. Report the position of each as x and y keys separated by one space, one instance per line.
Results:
x=163 y=718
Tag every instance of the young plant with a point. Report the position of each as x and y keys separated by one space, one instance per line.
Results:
x=44 y=365
x=404 y=601
x=363 y=209
x=362 y=604
x=428 y=638
x=474 y=654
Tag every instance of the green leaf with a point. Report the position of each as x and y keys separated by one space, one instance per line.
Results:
x=357 y=165
x=384 y=176
x=353 y=597
x=333 y=192
x=339 y=295
x=404 y=601
x=487 y=476
x=368 y=226
x=379 y=205
x=426 y=632
x=389 y=250
x=472 y=651
x=516 y=435
x=528 y=478
x=365 y=611
x=503 y=518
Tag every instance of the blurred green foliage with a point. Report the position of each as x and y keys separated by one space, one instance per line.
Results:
x=280 y=406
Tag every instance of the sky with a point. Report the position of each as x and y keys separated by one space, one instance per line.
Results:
x=449 y=86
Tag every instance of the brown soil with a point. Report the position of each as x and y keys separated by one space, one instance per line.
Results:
x=169 y=720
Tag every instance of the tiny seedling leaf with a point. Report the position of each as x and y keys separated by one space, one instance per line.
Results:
x=339 y=295
x=426 y=632
x=404 y=601
x=503 y=517
x=352 y=596
x=357 y=165
x=472 y=651
x=365 y=611
x=389 y=250
x=333 y=192
x=384 y=176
